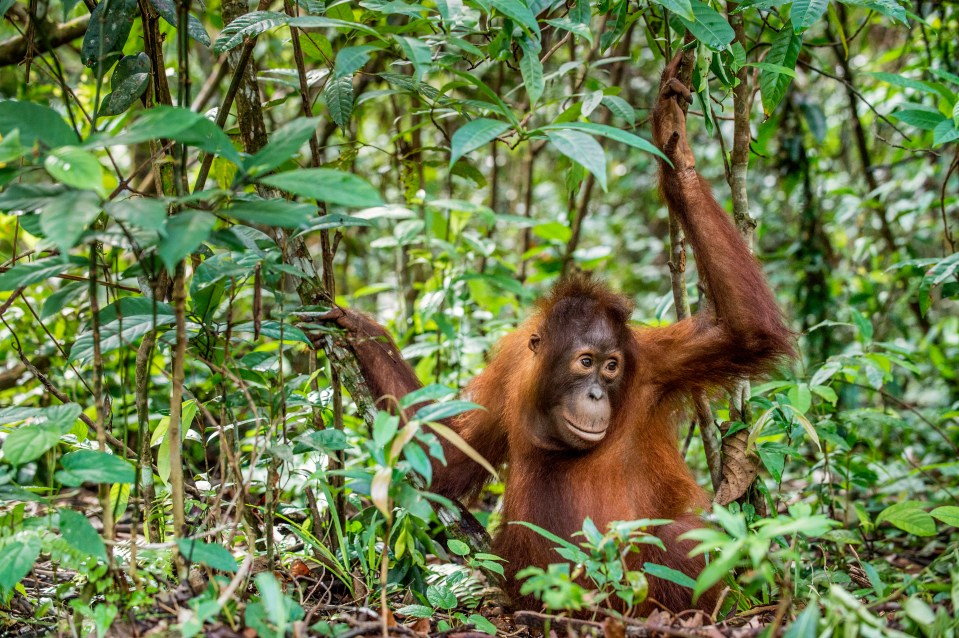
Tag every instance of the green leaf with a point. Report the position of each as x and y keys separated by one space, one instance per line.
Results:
x=520 y=12
x=246 y=26
x=28 y=442
x=669 y=574
x=415 y=611
x=80 y=534
x=336 y=220
x=272 y=212
x=709 y=26
x=64 y=218
x=806 y=624
x=920 y=118
x=473 y=135
x=107 y=33
x=147 y=213
x=582 y=149
x=177 y=124
x=784 y=52
x=948 y=514
x=458 y=547
x=532 y=71
x=417 y=52
x=168 y=11
x=682 y=8
x=284 y=145
x=327 y=185
x=125 y=93
x=621 y=108
x=946 y=131
x=718 y=568
x=349 y=60
x=609 y=132
x=328 y=440
x=806 y=13
x=482 y=624
x=431 y=392
x=338 y=95
x=889 y=8
x=440 y=411
x=16 y=561
x=90 y=466
x=440 y=597
x=252 y=24
x=35 y=122
x=212 y=555
x=29 y=273
x=909 y=517
x=184 y=232
x=75 y=167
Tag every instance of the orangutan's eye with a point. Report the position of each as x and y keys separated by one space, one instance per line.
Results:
x=612 y=365
x=586 y=362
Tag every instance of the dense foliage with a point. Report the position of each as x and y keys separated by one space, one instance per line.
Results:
x=182 y=185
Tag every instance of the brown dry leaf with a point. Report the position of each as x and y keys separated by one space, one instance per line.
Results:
x=380 y=491
x=421 y=626
x=740 y=467
x=299 y=568
x=660 y=617
x=390 y=618
x=612 y=628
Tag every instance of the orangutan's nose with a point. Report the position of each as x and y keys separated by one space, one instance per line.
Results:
x=595 y=392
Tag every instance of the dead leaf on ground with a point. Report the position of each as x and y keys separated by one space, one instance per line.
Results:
x=740 y=467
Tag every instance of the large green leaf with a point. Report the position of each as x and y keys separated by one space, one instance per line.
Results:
x=349 y=60
x=35 y=122
x=284 y=145
x=532 y=70
x=29 y=273
x=184 y=232
x=121 y=324
x=91 y=466
x=784 y=52
x=64 y=218
x=254 y=23
x=16 y=561
x=75 y=167
x=212 y=555
x=909 y=517
x=682 y=8
x=582 y=149
x=474 y=135
x=338 y=95
x=108 y=30
x=168 y=11
x=272 y=212
x=806 y=13
x=927 y=120
x=610 y=132
x=948 y=514
x=519 y=11
x=129 y=82
x=80 y=534
x=28 y=442
x=709 y=27
x=327 y=185
x=177 y=124
x=889 y=8
x=417 y=52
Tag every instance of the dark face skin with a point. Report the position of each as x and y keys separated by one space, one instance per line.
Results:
x=582 y=385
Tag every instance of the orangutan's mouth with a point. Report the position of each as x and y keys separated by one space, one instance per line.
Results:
x=589 y=435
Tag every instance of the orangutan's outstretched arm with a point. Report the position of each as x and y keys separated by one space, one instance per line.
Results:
x=390 y=377
x=745 y=333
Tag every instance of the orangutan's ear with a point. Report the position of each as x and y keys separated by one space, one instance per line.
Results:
x=534 y=340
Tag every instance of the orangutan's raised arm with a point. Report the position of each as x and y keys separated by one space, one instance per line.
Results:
x=745 y=335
